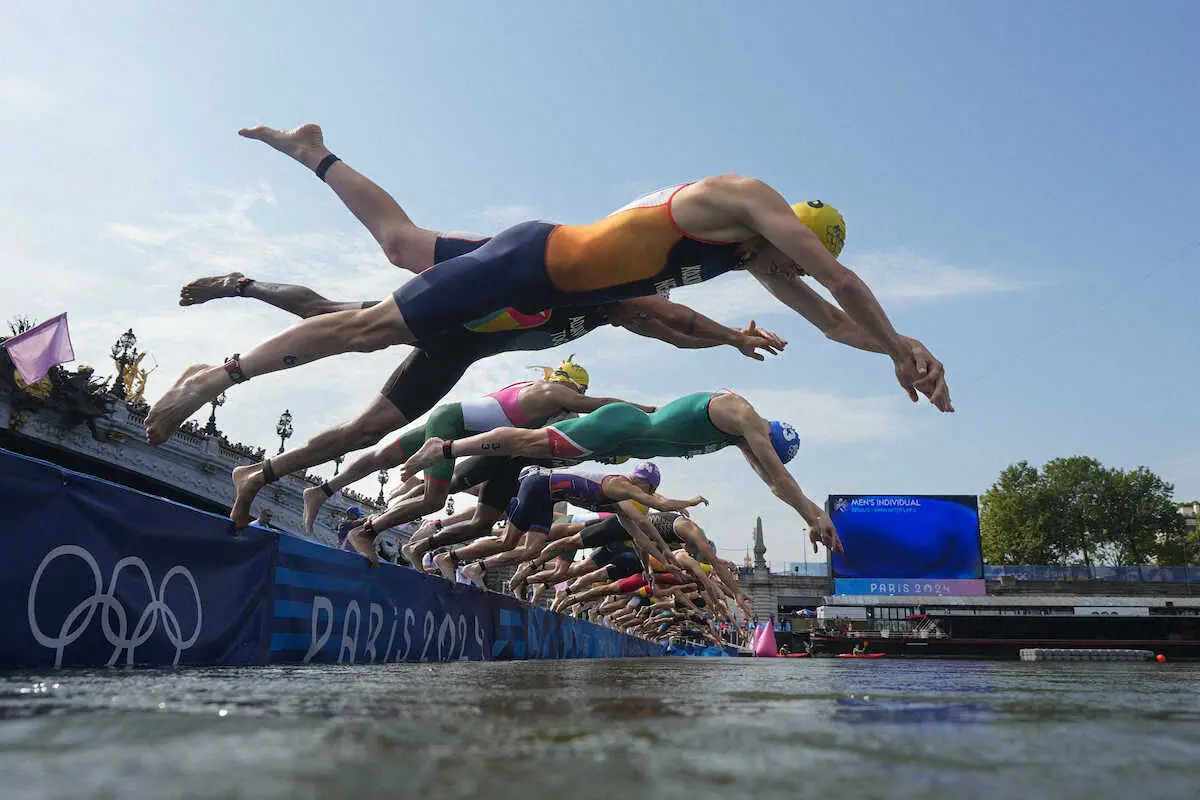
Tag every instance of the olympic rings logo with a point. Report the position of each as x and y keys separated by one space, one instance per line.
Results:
x=119 y=635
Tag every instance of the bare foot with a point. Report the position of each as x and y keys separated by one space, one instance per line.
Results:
x=474 y=573
x=247 y=480
x=538 y=591
x=523 y=572
x=414 y=554
x=445 y=565
x=197 y=385
x=426 y=530
x=314 y=498
x=429 y=454
x=202 y=290
x=305 y=144
x=364 y=544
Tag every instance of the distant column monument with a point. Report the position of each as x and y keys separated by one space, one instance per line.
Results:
x=765 y=590
x=760 y=547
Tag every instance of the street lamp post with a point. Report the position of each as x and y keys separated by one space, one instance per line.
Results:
x=283 y=428
x=337 y=464
x=383 y=478
x=123 y=352
x=211 y=427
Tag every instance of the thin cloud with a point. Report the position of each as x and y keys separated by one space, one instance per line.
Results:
x=497 y=218
x=21 y=98
x=901 y=275
x=895 y=277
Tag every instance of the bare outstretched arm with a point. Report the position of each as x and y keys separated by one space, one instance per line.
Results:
x=790 y=289
x=571 y=400
x=619 y=488
x=676 y=324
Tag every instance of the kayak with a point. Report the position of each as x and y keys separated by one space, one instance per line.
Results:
x=861 y=655
x=796 y=655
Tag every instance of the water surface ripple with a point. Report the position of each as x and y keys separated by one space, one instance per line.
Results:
x=661 y=729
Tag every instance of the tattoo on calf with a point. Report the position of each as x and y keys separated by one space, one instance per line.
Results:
x=290 y=361
x=490 y=446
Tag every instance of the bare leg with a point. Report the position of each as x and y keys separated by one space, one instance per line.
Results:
x=289 y=297
x=558 y=548
x=490 y=545
x=379 y=419
x=422 y=541
x=365 y=330
x=405 y=244
x=528 y=574
x=598 y=591
x=427 y=502
x=558 y=572
x=530 y=544
x=382 y=457
x=587 y=579
x=499 y=442
x=298 y=300
x=459 y=528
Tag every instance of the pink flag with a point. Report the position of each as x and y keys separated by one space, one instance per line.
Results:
x=38 y=349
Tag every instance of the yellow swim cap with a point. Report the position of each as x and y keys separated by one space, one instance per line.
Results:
x=570 y=372
x=826 y=222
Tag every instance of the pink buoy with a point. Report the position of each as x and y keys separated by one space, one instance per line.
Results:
x=765 y=646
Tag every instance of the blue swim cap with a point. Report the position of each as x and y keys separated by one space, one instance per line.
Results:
x=647 y=471
x=355 y=510
x=785 y=440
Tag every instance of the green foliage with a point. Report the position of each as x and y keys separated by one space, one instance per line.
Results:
x=1075 y=510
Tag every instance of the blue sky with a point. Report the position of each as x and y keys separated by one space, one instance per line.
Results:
x=1018 y=181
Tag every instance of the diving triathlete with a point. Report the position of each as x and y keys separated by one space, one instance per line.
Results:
x=527 y=404
x=678 y=236
x=689 y=426
x=532 y=513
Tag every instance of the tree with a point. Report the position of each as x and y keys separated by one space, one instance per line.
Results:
x=1075 y=510
x=1144 y=522
x=1013 y=519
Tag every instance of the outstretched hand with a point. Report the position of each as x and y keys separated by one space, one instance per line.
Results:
x=682 y=506
x=923 y=374
x=755 y=338
x=821 y=530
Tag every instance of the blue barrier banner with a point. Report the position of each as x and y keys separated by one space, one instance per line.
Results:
x=330 y=607
x=96 y=574
x=943 y=587
x=1146 y=573
x=707 y=651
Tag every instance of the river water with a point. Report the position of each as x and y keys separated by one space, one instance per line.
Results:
x=655 y=729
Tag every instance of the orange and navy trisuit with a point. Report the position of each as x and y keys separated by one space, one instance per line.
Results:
x=637 y=250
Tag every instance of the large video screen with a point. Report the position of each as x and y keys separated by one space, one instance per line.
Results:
x=907 y=536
